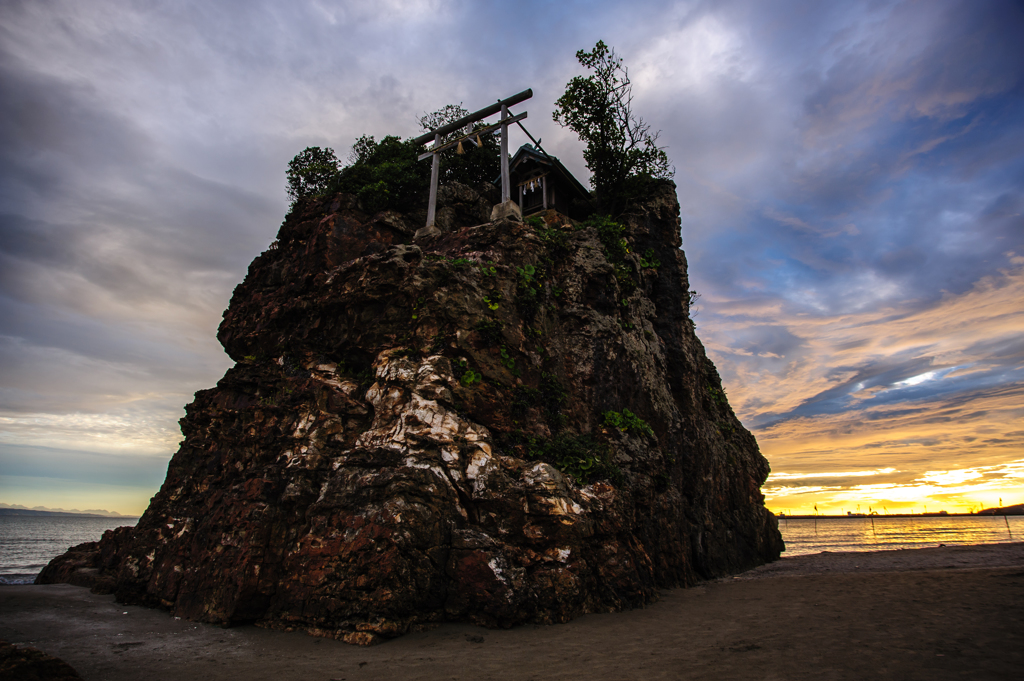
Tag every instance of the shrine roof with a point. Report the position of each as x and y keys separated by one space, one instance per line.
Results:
x=528 y=152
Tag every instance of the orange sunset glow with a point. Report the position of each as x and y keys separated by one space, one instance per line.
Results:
x=943 y=439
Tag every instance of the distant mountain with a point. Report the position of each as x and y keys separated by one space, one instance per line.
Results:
x=1016 y=509
x=9 y=510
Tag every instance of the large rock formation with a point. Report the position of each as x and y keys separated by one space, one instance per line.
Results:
x=498 y=422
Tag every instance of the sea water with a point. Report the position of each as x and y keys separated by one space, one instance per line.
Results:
x=877 y=533
x=28 y=543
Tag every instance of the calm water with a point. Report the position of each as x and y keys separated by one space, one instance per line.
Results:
x=859 y=534
x=28 y=543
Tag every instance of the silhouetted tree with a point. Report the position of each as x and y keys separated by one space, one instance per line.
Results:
x=622 y=152
x=313 y=171
x=385 y=175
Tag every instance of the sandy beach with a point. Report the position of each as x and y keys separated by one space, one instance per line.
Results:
x=935 y=613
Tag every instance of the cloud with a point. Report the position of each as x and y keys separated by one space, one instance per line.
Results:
x=931 y=390
x=849 y=175
x=81 y=466
x=899 y=353
x=966 y=446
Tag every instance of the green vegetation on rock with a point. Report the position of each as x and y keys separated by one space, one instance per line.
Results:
x=583 y=457
x=612 y=236
x=627 y=422
x=387 y=175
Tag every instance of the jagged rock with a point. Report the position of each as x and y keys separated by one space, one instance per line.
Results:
x=24 y=663
x=503 y=423
x=92 y=564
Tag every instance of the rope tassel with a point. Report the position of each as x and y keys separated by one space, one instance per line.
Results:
x=459 y=150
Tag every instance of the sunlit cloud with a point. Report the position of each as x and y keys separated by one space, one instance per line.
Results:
x=912 y=395
x=891 y=351
x=136 y=433
x=841 y=474
x=945 y=478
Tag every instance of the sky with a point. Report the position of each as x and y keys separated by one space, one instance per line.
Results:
x=850 y=175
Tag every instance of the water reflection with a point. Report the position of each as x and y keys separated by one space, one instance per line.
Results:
x=876 y=533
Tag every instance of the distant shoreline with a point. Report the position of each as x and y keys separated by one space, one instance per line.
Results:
x=1015 y=509
x=861 y=516
x=61 y=514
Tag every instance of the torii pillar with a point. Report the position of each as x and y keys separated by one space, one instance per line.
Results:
x=507 y=207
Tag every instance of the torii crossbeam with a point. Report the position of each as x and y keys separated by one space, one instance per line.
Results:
x=435 y=151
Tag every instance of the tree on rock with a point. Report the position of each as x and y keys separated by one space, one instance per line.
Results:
x=313 y=172
x=385 y=175
x=449 y=113
x=477 y=161
x=622 y=152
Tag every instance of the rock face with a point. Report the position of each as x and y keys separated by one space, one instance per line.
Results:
x=499 y=422
x=23 y=663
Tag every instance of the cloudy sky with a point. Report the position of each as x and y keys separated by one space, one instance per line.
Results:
x=851 y=178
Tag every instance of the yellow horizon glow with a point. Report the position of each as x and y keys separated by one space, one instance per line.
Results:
x=868 y=504
x=51 y=493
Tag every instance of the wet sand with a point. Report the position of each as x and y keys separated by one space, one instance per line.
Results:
x=937 y=613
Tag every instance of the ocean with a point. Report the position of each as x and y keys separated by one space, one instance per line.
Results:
x=28 y=543
x=876 y=533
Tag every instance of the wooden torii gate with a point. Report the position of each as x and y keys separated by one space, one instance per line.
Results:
x=435 y=151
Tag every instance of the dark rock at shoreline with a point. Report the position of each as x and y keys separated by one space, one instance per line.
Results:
x=22 y=663
x=417 y=432
x=92 y=564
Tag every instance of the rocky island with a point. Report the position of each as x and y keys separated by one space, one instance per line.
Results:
x=491 y=421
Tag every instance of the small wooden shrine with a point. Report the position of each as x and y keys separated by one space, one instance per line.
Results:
x=541 y=183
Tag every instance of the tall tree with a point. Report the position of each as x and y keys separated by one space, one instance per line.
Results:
x=621 y=152
x=313 y=171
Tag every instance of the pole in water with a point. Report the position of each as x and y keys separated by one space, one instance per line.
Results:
x=1004 y=518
